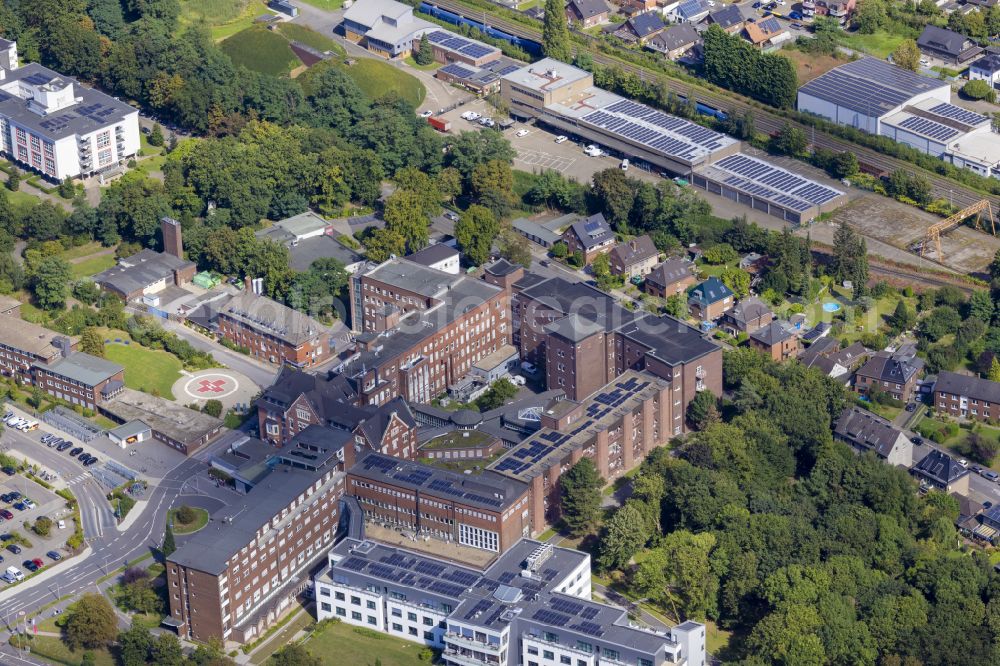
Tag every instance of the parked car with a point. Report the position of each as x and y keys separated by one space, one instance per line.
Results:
x=30 y=565
x=521 y=132
x=963 y=462
x=20 y=506
x=75 y=452
x=451 y=215
x=427 y=114
x=624 y=164
x=529 y=367
x=47 y=438
x=562 y=139
x=54 y=555
x=795 y=16
x=9 y=471
x=917 y=440
x=93 y=461
x=14 y=548
x=990 y=474
x=28 y=503
x=911 y=406
x=7 y=514
x=39 y=562
x=65 y=445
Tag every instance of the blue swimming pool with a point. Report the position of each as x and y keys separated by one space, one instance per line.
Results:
x=831 y=306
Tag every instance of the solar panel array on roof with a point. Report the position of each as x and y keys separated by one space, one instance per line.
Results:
x=646 y=126
x=37 y=79
x=963 y=116
x=769 y=24
x=691 y=8
x=929 y=129
x=870 y=86
x=455 y=69
x=413 y=572
x=457 y=44
x=774 y=184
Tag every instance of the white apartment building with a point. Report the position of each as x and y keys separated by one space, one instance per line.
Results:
x=530 y=607
x=53 y=125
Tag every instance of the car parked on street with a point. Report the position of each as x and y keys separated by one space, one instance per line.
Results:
x=990 y=474
x=75 y=452
x=65 y=445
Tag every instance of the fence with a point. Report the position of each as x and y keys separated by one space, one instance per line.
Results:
x=72 y=424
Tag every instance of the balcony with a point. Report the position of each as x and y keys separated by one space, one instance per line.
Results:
x=458 y=639
x=700 y=373
x=456 y=657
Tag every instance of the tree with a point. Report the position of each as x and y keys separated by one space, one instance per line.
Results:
x=979 y=89
x=845 y=165
x=67 y=190
x=902 y=317
x=492 y=184
x=166 y=650
x=91 y=622
x=497 y=395
x=560 y=250
x=384 y=243
x=14 y=180
x=134 y=644
x=168 y=547
x=212 y=408
x=475 y=232
x=850 y=259
x=677 y=306
x=703 y=410
x=580 y=494
x=156 y=135
x=42 y=526
x=404 y=215
x=722 y=253
x=92 y=342
x=514 y=247
x=425 y=53
x=555 y=32
x=790 y=141
x=870 y=16
x=994 y=375
x=981 y=448
x=50 y=281
x=295 y=655
x=623 y=536
x=738 y=280
x=907 y=55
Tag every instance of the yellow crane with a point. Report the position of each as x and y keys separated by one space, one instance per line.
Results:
x=935 y=230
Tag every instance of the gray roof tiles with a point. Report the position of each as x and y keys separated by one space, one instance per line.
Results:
x=84 y=368
x=970 y=387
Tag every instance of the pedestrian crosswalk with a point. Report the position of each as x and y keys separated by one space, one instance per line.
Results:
x=79 y=478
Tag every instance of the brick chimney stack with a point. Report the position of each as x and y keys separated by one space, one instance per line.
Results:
x=173 y=244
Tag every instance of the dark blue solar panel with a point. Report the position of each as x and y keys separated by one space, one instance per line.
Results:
x=439 y=36
x=454 y=69
x=477 y=50
x=929 y=128
x=958 y=113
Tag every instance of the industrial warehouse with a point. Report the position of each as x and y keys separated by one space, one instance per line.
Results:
x=881 y=98
x=565 y=98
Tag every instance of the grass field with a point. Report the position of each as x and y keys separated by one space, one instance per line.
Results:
x=808 y=66
x=201 y=519
x=295 y=32
x=53 y=649
x=146 y=370
x=93 y=266
x=879 y=44
x=79 y=251
x=261 y=50
x=223 y=17
x=413 y=63
x=376 y=78
x=282 y=637
x=21 y=200
x=338 y=643
x=329 y=5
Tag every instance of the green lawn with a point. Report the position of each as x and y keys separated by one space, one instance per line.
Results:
x=53 y=649
x=325 y=4
x=259 y=49
x=21 y=200
x=338 y=643
x=413 y=63
x=281 y=637
x=879 y=44
x=377 y=77
x=93 y=266
x=201 y=519
x=299 y=33
x=81 y=250
x=223 y=17
x=148 y=370
x=956 y=443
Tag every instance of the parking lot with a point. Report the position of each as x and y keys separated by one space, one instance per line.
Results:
x=17 y=514
x=538 y=151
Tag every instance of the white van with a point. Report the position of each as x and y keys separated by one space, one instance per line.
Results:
x=13 y=574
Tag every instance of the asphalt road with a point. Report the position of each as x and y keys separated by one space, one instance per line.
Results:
x=109 y=548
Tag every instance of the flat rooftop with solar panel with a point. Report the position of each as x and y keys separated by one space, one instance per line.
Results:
x=450 y=48
x=565 y=98
x=768 y=188
x=58 y=128
x=535 y=597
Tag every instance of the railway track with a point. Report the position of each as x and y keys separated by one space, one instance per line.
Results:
x=766 y=121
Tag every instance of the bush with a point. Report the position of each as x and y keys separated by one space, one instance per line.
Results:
x=186 y=515
x=42 y=526
x=979 y=90
x=723 y=253
x=212 y=408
